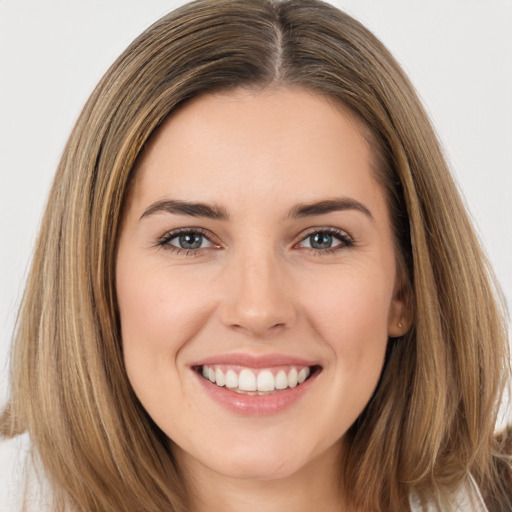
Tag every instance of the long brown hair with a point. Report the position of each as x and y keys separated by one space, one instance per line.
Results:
x=432 y=417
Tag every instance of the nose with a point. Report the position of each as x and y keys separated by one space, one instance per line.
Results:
x=259 y=298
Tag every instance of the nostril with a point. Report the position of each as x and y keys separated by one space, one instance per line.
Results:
x=256 y=324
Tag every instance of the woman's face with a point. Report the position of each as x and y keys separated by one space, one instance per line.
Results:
x=256 y=282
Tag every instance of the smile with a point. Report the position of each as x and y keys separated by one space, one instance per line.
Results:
x=256 y=385
x=251 y=381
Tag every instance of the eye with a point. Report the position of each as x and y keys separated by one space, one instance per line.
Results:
x=326 y=240
x=189 y=241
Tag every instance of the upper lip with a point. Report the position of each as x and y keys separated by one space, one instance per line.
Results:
x=252 y=361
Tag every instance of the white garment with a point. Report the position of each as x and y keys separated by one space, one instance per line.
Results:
x=467 y=499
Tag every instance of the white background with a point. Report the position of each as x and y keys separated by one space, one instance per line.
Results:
x=458 y=54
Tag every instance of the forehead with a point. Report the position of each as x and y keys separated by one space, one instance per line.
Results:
x=221 y=146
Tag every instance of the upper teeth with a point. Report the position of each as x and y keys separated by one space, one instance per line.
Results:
x=246 y=379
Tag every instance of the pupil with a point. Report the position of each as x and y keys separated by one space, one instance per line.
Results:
x=321 y=241
x=190 y=241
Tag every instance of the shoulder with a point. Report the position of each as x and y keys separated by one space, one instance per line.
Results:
x=467 y=498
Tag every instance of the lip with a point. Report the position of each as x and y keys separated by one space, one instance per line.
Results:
x=256 y=362
x=256 y=405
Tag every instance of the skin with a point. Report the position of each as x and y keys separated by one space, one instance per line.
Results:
x=258 y=287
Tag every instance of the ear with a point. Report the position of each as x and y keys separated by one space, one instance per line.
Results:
x=399 y=318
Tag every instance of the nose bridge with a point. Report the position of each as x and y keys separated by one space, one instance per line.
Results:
x=258 y=300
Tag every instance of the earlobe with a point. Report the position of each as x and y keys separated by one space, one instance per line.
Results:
x=397 y=329
x=400 y=311
x=399 y=318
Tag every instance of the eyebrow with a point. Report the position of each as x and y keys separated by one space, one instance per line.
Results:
x=186 y=208
x=328 y=206
x=193 y=209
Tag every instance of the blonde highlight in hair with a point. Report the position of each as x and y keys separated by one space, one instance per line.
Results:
x=431 y=420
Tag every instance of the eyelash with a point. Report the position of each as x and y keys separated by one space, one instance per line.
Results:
x=164 y=241
x=346 y=241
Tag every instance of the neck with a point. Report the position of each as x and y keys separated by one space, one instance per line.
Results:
x=315 y=486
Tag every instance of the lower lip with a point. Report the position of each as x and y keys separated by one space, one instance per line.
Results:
x=257 y=405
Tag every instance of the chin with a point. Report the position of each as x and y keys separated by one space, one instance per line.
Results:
x=263 y=461
x=260 y=468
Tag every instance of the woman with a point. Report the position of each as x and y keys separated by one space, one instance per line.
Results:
x=256 y=285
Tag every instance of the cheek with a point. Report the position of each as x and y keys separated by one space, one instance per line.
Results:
x=158 y=316
x=157 y=312
x=146 y=314
x=351 y=317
